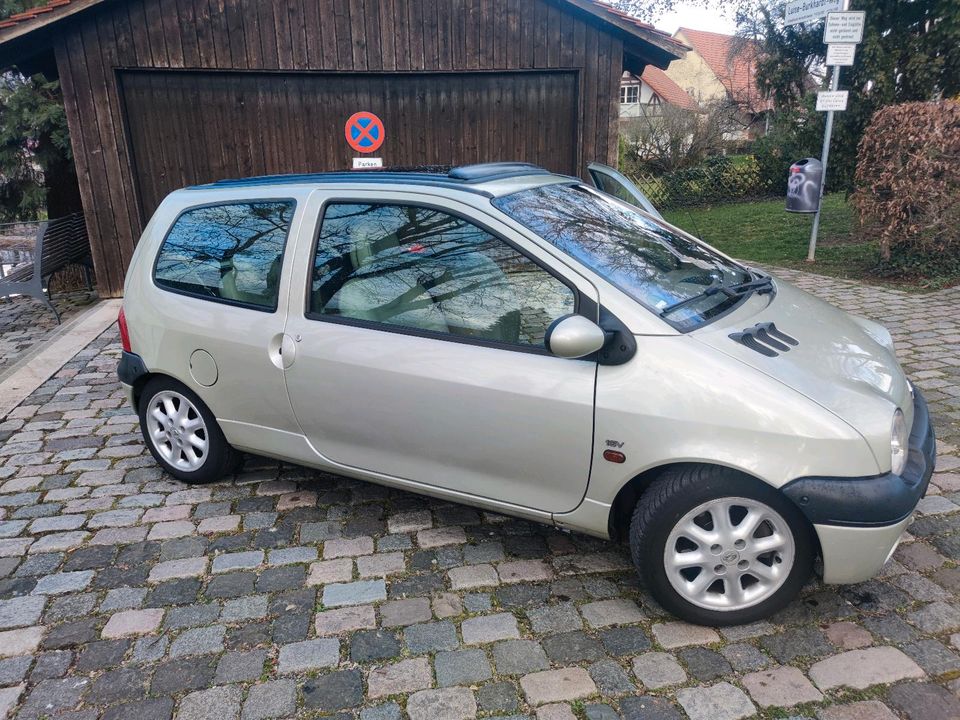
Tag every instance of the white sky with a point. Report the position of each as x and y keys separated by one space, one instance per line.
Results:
x=696 y=17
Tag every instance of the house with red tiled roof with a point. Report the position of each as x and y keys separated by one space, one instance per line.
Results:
x=721 y=68
x=646 y=94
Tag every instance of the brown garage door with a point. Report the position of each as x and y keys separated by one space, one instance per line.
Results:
x=187 y=127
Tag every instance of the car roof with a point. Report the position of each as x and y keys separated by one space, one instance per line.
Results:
x=490 y=179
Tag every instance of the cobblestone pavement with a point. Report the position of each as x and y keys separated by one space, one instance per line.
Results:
x=290 y=593
x=25 y=321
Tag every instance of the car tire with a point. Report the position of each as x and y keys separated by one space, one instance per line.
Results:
x=739 y=570
x=182 y=434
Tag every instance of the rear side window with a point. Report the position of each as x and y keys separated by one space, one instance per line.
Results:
x=232 y=253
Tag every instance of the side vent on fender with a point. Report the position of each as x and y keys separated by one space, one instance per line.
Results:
x=765 y=339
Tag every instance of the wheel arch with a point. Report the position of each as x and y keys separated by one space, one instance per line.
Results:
x=621 y=510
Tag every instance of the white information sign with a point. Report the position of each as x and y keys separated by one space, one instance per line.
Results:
x=844 y=27
x=800 y=11
x=835 y=100
x=841 y=53
x=367 y=163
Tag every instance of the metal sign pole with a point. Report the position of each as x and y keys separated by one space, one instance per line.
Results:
x=824 y=156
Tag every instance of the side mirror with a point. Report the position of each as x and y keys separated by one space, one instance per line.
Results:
x=573 y=336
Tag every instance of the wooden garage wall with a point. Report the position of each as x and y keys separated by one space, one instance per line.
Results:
x=340 y=35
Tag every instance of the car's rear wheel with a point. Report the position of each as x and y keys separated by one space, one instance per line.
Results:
x=719 y=548
x=182 y=433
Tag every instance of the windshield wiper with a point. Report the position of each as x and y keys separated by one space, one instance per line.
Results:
x=759 y=285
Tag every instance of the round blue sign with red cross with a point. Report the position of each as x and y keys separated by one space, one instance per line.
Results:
x=364 y=132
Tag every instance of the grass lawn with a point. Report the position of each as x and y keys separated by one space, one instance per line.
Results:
x=764 y=232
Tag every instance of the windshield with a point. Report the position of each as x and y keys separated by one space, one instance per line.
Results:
x=652 y=263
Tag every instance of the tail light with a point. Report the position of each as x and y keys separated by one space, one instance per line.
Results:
x=124 y=332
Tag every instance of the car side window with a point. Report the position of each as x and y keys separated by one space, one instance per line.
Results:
x=231 y=252
x=424 y=269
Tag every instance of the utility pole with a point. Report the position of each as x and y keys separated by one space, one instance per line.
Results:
x=824 y=156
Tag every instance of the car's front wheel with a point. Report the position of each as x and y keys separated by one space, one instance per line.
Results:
x=182 y=433
x=718 y=548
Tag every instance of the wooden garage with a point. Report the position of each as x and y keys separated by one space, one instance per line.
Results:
x=166 y=93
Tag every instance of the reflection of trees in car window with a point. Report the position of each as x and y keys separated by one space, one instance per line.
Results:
x=643 y=257
x=425 y=269
x=230 y=252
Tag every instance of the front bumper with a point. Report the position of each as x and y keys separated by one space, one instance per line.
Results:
x=859 y=520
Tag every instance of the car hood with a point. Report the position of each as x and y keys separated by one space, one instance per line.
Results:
x=842 y=362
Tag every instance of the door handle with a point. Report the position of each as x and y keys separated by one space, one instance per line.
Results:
x=282 y=351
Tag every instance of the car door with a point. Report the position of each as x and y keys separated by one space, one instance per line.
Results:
x=420 y=353
x=615 y=183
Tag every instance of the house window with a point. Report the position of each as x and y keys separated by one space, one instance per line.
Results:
x=629 y=94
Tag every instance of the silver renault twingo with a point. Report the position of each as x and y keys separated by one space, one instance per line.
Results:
x=520 y=341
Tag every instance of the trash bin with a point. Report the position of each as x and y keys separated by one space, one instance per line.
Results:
x=803 y=186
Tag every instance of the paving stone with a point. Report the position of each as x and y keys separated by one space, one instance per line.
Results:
x=780 y=687
x=368 y=645
x=21 y=611
x=101 y=655
x=470 y=577
x=745 y=658
x=611 y=679
x=800 y=642
x=54 y=664
x=431 y=637
x=240 y=666
x=722 y=701
x=859 y=669
x=129 y=623
x=309 y=655
x=477 y=602
x=933 y=656
x=490 y=628
x=230 y=562
x=935 y=618
x=923 y=701
x=173 y=569
x=848 y=635
x=65 y=582
x=330 y=571
x=863 y=710
x=656 y=670
x=438 y=537
x=150 y=649
x=50 y=697
x=231 y=585
x=572 y=647
x=381 y=565
x=355 y=593
x=334 y=691
x=604 y=613
x=551 y=686
x=704 y=664
x=447 y=605
x=599 y=711
x=177 y=676
x=335 y=622
x=218 y=703
x=648 y=707
x=250 y=607
x=149 y=709
x=672 y=635
x=461 y=667
x=519 y=657
x=524 y=571
x=499 y=697
x=13 y=670
x=198 y=641
x=551 y=619
x=191 y=616
x=625 y=641
x=386 y=711
x=442 y=704
x=274 y=699
x=405 y=676
x=347 y=547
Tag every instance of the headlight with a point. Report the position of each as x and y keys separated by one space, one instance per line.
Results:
x=898 y=443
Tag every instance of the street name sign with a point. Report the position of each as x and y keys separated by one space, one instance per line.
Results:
x=844 y=27
x=841 y=54
x=835 y=100
x=801 y=11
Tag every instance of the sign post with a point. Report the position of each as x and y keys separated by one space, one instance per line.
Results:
x=842 y=31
